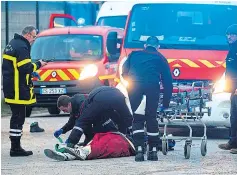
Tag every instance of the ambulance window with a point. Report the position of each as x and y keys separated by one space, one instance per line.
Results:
x=176 y=25
x=68 y=47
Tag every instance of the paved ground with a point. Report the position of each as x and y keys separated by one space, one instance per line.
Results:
x=215 y=162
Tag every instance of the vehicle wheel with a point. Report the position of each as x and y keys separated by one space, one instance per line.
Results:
x=187 y=150
x=54 y=110
x=28 y=111
x=164 y=146
x=204 y=147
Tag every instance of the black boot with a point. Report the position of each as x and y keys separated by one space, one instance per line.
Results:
x=17 y=150
x=34 y=127
x=152 y=154
x=139 y=154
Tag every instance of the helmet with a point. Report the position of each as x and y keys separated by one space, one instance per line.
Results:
x=232 y=29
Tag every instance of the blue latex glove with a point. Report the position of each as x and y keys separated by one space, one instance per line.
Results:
x=58 y=133
x=35 y=74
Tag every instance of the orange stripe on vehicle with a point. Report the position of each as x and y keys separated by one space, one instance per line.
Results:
x=74 y=73
x=45 y=75
x=189 y=62
x=53 y=79
x=207 y=63
x=62 y=75
x=69 y=74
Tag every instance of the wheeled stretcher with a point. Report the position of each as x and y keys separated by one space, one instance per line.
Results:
x=188 y=105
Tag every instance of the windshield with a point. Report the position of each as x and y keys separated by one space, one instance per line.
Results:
x=113 y=21
x=67 y=47
x=186 y=26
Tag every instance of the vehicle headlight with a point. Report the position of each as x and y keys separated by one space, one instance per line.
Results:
x=89 y=71
x=220 y=85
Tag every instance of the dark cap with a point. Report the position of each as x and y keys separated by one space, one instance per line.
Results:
x=232 y=29
x=152 y=41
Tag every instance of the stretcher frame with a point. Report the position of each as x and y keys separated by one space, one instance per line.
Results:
x=188 y=105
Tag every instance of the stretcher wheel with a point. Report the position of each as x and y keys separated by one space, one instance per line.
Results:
x=187 y=150
x=204 y=147
x=209 y=111
x=164 y=146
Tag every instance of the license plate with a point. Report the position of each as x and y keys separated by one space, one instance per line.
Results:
x=53 y=91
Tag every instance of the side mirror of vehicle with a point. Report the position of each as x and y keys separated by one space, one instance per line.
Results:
x=111 y=43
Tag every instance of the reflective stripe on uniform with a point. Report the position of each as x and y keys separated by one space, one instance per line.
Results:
x=23 y=62
x=138 y=131
x=16 y=100
x=78 y=128
x=15 y=130
x=22 y=102
x=16 y=76
x=107 y=122
x=35 y=67
x=15 y=135
x=152 y=134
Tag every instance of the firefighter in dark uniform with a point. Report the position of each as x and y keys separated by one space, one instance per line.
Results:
x=105 y=124
x=143 y=70
x=101 y=100
x=17 y=85
x=231 y=79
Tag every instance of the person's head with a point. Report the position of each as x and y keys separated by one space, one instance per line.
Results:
x=152 y=41
x=29 y=33
x=231 y=33
x=64 y=103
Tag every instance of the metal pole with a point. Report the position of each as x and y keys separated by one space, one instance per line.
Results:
x=37 y=14
x=6 y=22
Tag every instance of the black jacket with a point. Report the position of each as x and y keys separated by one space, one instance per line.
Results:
x=149 y=66
x=105 y=124
x=97 y=111
x=16 y=71
x=231 y=67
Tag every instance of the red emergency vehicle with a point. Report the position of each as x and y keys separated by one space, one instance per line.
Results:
x=79 y=59
x=193 y=39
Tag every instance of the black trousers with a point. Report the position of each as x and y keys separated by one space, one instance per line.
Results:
x=17 y=120
x=136 y=94
x=233 y=119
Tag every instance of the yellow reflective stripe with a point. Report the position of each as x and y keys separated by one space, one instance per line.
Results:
x=74 y=73
x=34 y=67
x=177 y=65
x=189 y=62
x=8 y=57
x=31 y=93
x=23 y=102
x=207 y=63
x=117 y=80
x=170 y=60
x=27 y=78
x=62 y=75
x=25 y=61
x=105 y=77
x=223 y=63
x=45 y=75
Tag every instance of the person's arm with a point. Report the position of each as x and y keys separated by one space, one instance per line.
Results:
x=83 y=122
x=24 y=63
x=69 y=125
x=167 y=82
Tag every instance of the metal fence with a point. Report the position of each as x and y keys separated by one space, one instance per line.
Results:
x=15 y=15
